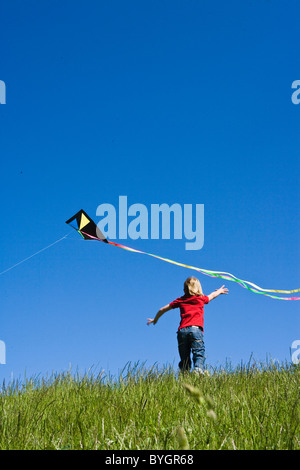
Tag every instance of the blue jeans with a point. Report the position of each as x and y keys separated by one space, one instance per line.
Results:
x=190 y=339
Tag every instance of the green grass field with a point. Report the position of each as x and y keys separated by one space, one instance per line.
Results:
x=249 y=407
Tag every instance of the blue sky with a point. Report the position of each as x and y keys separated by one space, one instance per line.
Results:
x=163 y=102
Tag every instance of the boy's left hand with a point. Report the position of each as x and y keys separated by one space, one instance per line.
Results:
x=223 y=290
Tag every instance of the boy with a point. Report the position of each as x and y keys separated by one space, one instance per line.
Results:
x=190 y=331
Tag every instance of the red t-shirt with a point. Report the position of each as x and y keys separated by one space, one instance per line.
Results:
x=191 y=309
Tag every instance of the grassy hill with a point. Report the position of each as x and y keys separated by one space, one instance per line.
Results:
x=250 y=407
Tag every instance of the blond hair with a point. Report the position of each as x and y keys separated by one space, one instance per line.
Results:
x=192 y=286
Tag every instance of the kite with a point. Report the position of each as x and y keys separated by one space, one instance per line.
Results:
x=91 y=231
x=87 y=228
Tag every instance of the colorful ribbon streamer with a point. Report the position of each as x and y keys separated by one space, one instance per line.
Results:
x=222 y=275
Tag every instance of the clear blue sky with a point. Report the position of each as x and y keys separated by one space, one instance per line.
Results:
x=164 y=102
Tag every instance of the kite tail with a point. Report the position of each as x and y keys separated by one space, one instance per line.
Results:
x=219 y=274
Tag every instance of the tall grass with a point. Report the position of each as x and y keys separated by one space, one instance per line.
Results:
x=249 y=407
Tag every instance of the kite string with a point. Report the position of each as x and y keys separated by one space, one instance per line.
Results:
x=34 y=254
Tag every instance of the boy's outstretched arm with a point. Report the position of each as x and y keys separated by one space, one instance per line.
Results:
x=217 y=292
x=160 y=312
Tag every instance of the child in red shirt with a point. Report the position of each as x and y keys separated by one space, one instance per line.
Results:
x=190 y=331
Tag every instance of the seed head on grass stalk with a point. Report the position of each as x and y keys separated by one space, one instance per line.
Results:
x=208 y=401
x=212 y=415
x=182 y=439
x=195 y=394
